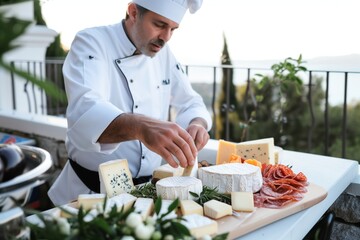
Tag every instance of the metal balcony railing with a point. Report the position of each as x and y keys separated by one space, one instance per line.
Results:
x=52 y=70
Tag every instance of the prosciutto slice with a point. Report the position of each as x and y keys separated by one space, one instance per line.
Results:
x=281 y=186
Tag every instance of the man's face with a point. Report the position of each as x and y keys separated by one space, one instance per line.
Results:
x=150 y=32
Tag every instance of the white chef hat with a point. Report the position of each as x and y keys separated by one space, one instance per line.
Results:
x=171 y=9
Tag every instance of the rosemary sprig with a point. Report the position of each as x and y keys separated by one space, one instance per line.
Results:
x=208 y=194
x=148 y=190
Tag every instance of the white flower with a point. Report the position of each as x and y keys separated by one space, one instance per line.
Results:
x=206 y=237
x=144 y=231
x=127 y=238
x=134 y=220
x=150 y=220
x=64 y=225
x=168 y=237
x=156 y=235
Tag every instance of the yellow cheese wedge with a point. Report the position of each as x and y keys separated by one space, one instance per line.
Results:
x=225 y=150
x=242 y=201
x=188 y=207
x=216 y=209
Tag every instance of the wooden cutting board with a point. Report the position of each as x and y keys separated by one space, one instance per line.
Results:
x=246 y=222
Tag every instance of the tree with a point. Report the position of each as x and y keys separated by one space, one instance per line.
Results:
x=227 y=121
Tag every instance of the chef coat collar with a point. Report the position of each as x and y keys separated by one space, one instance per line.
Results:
x=128 y=45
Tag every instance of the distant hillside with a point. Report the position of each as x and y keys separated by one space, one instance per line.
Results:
x=334 y=63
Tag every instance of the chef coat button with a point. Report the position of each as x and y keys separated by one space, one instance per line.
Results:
x=136 y=106
x=131 y=80
x=118 y=61
x=158 y=87
x=143 y=157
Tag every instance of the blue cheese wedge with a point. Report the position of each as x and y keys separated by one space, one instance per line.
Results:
x=261 y=150
x=232 y=177
x=115 y=177
x=178 y=187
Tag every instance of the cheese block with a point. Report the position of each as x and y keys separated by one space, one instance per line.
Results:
x=232 y=177
x=242 y=201
x=166 y=170
x=191 y=170
x=200 y=226
x=278 y=151
x=188 y=207
x=68 y=211
x=261 y=150
x=88 y=201
x=216 y=209
x=178 y=187
x=225 y=150
x=164 y=209
x=144 y=206
x=123 y=200
x=115 y=177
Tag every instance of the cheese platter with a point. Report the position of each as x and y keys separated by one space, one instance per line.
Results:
x=236 y=195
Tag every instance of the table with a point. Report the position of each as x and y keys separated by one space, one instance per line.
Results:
x=333 y=174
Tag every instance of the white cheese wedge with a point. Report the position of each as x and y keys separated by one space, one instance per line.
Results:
x=178 y=187
x=200 y=226
x=67 y=211
x=278 y=152
x=123 y=200
x=164 y=209
x=144 y=206
x=232 y=177
x=216 y=209
x=188 y=207
x=261 y=150
x=88 y=201
x=115 y=177
x=242 y=201
x=166 y=170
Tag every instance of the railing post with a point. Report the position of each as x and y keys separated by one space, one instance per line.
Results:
x=344 y=117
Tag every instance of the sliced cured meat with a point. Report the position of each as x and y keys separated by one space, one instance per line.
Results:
x=281 y=186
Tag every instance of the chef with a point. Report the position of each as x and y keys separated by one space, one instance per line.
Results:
x=121 y=81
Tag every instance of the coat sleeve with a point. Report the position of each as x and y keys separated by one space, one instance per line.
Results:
x=89 y=112
x=187 y=103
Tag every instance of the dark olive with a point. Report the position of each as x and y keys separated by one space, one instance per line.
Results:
x=13 y=160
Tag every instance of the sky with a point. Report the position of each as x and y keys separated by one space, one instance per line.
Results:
x=254 y=29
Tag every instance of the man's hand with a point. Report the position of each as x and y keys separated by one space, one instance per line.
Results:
x=167 y=139
x=198 y=132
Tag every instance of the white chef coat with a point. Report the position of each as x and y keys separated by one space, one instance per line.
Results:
x=103 y=79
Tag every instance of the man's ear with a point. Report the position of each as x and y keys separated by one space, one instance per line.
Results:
x=132 y=11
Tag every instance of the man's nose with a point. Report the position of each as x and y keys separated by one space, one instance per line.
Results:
x=165 y=35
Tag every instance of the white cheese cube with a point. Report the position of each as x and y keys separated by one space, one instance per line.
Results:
x=88 y=201
x=200 y=226
x=164 y=209
x=144 y=206
x=115 y=177
x=123 y=200
x=188 y=207
x=216 y=209
x=242 y=201
x=166 y=170
x=178 y=187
